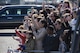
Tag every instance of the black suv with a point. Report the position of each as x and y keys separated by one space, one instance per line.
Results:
x=12 y=15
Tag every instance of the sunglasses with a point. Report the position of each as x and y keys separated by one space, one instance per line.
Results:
x=24 y=32
x=67 y=16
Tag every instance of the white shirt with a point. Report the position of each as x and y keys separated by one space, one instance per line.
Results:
x=72 y=23
x=39 y=37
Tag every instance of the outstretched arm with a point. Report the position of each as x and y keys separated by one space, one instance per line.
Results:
x=15 y=38
x=20 y=35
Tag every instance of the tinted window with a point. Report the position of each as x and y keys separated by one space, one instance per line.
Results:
x=19 y=11
x=12 y=11
x=8 y=12
x=5 y=12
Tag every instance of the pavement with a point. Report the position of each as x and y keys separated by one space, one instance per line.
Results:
x=7 y=41
x=7 y=30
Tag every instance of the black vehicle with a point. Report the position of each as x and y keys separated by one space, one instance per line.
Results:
x=12 y=15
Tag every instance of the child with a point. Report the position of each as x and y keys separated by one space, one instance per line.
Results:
x=21 y=39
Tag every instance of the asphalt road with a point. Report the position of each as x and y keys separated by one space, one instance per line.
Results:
x=7 y=41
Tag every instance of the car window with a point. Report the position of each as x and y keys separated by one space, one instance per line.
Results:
x=5 y=12
x=24 y=11
x=19 y=11
x=16 y=11
x=28 y=11
x=12 y=11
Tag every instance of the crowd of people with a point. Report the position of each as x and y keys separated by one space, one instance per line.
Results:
x=48 y=29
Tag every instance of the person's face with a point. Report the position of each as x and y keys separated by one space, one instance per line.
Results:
x=26 y=18
x=32 y=8
x=65 y=5
x=60 y=5
x=63 y=20
x=28 y=36
x=24 y=33
x=57 y=25
x=68 y=18
x=49 y=31
x=52 y=17
x=29 y=14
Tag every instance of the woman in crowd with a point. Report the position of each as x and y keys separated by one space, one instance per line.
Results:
x=26 y=23
x=39 y=31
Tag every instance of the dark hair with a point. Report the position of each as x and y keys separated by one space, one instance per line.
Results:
x=50 y=28
x=48 y=11
x=56 y=16
x=44 y=22
x=59 y=22
x=67 y=11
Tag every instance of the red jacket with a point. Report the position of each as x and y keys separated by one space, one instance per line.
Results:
x=22 y=37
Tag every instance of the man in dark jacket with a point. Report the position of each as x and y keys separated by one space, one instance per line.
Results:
x=49 y=43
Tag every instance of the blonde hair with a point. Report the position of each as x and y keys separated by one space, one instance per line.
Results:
x=21 y=27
